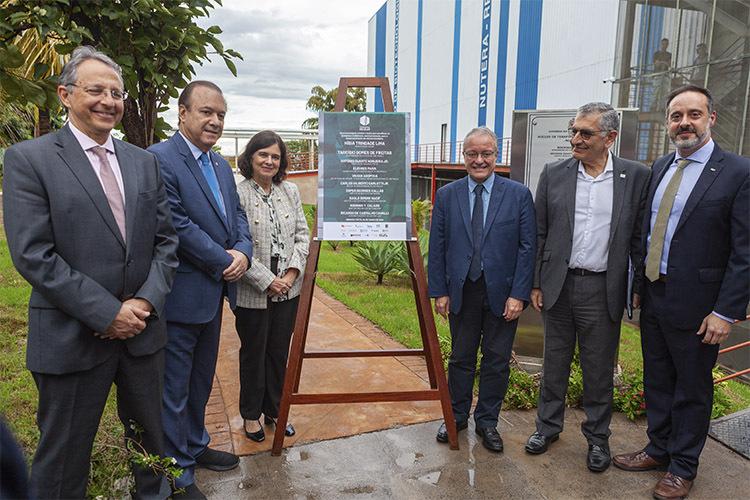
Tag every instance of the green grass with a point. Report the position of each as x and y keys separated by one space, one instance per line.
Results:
x=631 y=360
x=391 y=306
x=18 y=394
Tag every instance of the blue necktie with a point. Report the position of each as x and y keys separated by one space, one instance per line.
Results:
x=477 y=228
x=213 y=182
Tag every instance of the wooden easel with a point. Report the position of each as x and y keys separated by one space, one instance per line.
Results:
x=430 y=347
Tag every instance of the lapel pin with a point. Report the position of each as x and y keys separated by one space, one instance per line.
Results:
x=713 y=169
x=622 y=175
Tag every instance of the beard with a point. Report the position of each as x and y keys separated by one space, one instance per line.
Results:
x=692 y=142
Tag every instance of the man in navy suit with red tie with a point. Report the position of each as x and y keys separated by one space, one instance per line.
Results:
x=697 y=247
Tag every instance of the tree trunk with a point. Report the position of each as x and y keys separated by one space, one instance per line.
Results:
x=42 y=125
x=132 y=125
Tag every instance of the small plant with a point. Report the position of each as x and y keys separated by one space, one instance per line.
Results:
x=628 y=397
x=424 y=249
x=420 y=212
x=523 y=390
x=164 y=466
x=722 y=401
x=575 y=384
x=378 y=257
x=334 y=244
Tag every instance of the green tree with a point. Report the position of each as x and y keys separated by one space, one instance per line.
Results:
x=156 y=42
x=325 y=100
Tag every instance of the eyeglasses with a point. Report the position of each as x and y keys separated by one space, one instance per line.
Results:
x=264 y=156
x=117 y=95
x=586 y=134
x=473 y=155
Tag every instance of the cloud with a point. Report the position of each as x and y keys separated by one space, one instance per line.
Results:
x=288 y=48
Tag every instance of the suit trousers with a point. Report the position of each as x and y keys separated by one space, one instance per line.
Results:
x=579 y=314
x=70 y=407
x=264 y=336
x=191 y=354
x=476 y=325
x=678 y=386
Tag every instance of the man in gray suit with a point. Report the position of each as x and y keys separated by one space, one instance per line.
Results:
x=89 y=227
x=589 y=210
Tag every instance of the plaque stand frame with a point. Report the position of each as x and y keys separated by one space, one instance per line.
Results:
x=430 y=347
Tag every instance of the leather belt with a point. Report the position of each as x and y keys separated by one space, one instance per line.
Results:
x=585 y=272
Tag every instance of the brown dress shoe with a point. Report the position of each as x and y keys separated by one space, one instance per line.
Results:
x=636 y=461
x=671 y=486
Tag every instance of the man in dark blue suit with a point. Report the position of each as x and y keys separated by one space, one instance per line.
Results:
x=481 y=265
x=215 y=251
x=697 y=247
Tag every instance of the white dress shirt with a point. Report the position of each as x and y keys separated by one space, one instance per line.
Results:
x=87 y=143
x=593 y=218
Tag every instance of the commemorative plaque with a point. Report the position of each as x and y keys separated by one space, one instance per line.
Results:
x=364 y=182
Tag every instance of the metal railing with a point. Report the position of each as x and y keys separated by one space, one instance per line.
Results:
x=435 y=153
x=730 y=349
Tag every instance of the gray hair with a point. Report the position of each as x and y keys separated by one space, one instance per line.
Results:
x=482 y=131
x=608 y=117
x=69 y=73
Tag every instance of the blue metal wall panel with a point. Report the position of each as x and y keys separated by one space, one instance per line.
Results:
x=380 y=29
x=484 y=63
x=454 y=82
x=502 y=66
x=527 y=60
x=418 y=92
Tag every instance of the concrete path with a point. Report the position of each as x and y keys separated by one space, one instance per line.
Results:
x=407 y=463
x=385 y=457
x=333 y=326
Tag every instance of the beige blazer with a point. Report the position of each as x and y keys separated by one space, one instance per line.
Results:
x=251 y=289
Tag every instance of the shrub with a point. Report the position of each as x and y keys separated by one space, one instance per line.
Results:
x=378 y=257
x=523 y=390
x=420 y=212
x=628 y=396
x=424 y=249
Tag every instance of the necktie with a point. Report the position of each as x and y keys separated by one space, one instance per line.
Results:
x=213 y=182
x=477 y=229
x=111 y=189
x=656 y=247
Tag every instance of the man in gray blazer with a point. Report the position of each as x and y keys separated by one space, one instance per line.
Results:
x=589 y=210
x=89 y=227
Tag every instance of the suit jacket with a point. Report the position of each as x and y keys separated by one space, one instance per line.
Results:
x=65 y=242
x=555 y=217
x=508 y=245
x=295 y=238
x=708 y=267
x=204 y=232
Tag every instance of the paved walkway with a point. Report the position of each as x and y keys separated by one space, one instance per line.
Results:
x=333 y=326
x=380 y=455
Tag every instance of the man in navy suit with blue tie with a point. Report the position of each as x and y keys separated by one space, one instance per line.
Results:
x=214 y=251
x=481 y=265
x=697 y=247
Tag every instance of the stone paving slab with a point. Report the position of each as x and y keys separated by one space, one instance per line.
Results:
x=407 y=463
x=332 y=326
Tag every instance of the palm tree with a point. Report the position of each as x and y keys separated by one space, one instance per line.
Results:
x=325 y=100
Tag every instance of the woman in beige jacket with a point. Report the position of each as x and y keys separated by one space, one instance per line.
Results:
x=268 y=293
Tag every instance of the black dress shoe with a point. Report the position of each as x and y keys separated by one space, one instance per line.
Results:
x=442 y=433
x=217 y=460
x=256 y=436
x=538 y=443
x=288 y=431
x=490 y=438
x=598 y=459
x=189 y=492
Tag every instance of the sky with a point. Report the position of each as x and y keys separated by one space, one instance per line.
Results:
x=288 y=46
